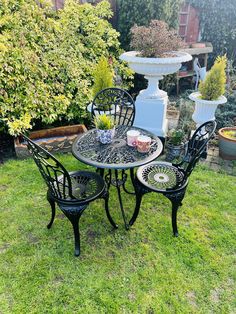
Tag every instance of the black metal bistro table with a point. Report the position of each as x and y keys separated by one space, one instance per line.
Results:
x=117 y=157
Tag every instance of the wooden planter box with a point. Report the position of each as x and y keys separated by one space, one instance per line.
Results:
x=53 y=140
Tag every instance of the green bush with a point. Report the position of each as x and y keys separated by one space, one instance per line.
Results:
x=47 y=59
x=141 y=12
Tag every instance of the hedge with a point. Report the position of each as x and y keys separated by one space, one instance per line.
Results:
x=47 y=59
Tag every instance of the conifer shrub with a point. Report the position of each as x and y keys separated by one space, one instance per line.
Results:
x=103 y=76
x=214 y=84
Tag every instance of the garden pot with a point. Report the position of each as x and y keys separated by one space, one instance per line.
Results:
x=58 y=139
x=174 y=151
x=205 y=109
x=105 y=136
x=173 y=118
x=227 y=146
x=151 y=103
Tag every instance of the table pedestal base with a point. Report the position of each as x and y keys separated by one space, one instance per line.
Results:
x=118 y=178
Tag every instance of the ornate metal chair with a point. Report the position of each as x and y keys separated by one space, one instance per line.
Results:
x=71 y=191
x=172 y=179
x=115 y=102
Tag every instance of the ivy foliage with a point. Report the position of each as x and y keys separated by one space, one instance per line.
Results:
x=218 y=24
x=141 y=12
x=47 y=59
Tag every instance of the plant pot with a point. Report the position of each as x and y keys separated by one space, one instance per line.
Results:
x=58 y=139
x=113 y=111
x=173 y=118
x=227 y=146
x=175 y=151
x=105 y=136
x=151 y=103
x=205 y=109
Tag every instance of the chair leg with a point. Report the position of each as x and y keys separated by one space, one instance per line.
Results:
x=74 y=214
x=53 y=208
x=112 y=222
x=176 y=201
x=175 y=207
x=75 y=224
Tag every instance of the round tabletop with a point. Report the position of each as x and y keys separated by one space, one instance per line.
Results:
x=117 y=155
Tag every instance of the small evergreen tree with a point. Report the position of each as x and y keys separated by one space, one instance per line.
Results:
x=103 y=76
x=214 y=85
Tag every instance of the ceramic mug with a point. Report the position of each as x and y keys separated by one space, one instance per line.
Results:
x=143 y=144
x=132 y=136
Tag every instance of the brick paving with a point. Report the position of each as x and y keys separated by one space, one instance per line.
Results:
x=216 y=163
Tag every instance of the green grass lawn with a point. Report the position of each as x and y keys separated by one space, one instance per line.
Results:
x=144 y=270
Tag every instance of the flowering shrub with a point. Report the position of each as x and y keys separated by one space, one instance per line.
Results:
x=47 y=59
x=155 y=40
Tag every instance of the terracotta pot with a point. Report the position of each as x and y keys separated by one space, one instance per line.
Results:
x=54 y=140
x=227 y=146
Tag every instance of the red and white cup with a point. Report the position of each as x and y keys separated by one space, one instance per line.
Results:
x=143 y=144
x=132 y=136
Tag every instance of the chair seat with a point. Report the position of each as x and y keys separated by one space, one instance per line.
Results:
x=160 y=176
x=86 y=186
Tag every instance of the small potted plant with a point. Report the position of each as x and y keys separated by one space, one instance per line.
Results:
x=105 y=128
x=175 y=145
x=210 y=93
x=227 y=143
x=103 y=78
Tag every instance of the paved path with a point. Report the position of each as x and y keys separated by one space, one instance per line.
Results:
x=216 y=163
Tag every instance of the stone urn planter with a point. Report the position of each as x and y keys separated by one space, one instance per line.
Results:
x=227 y=143
x=151 y=103
x=205 y=109
x=58 y=139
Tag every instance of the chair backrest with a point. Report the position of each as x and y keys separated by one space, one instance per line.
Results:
x=115 y=102
x=53 y=172
x=197 y=146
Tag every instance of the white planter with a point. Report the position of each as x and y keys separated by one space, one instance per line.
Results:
x=151 y=103
x=205 y=109
x=108 y=112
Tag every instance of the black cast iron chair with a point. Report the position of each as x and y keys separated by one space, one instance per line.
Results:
x=172 y=179
x=119 y=104
x=71 y=191
x=115 y=102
